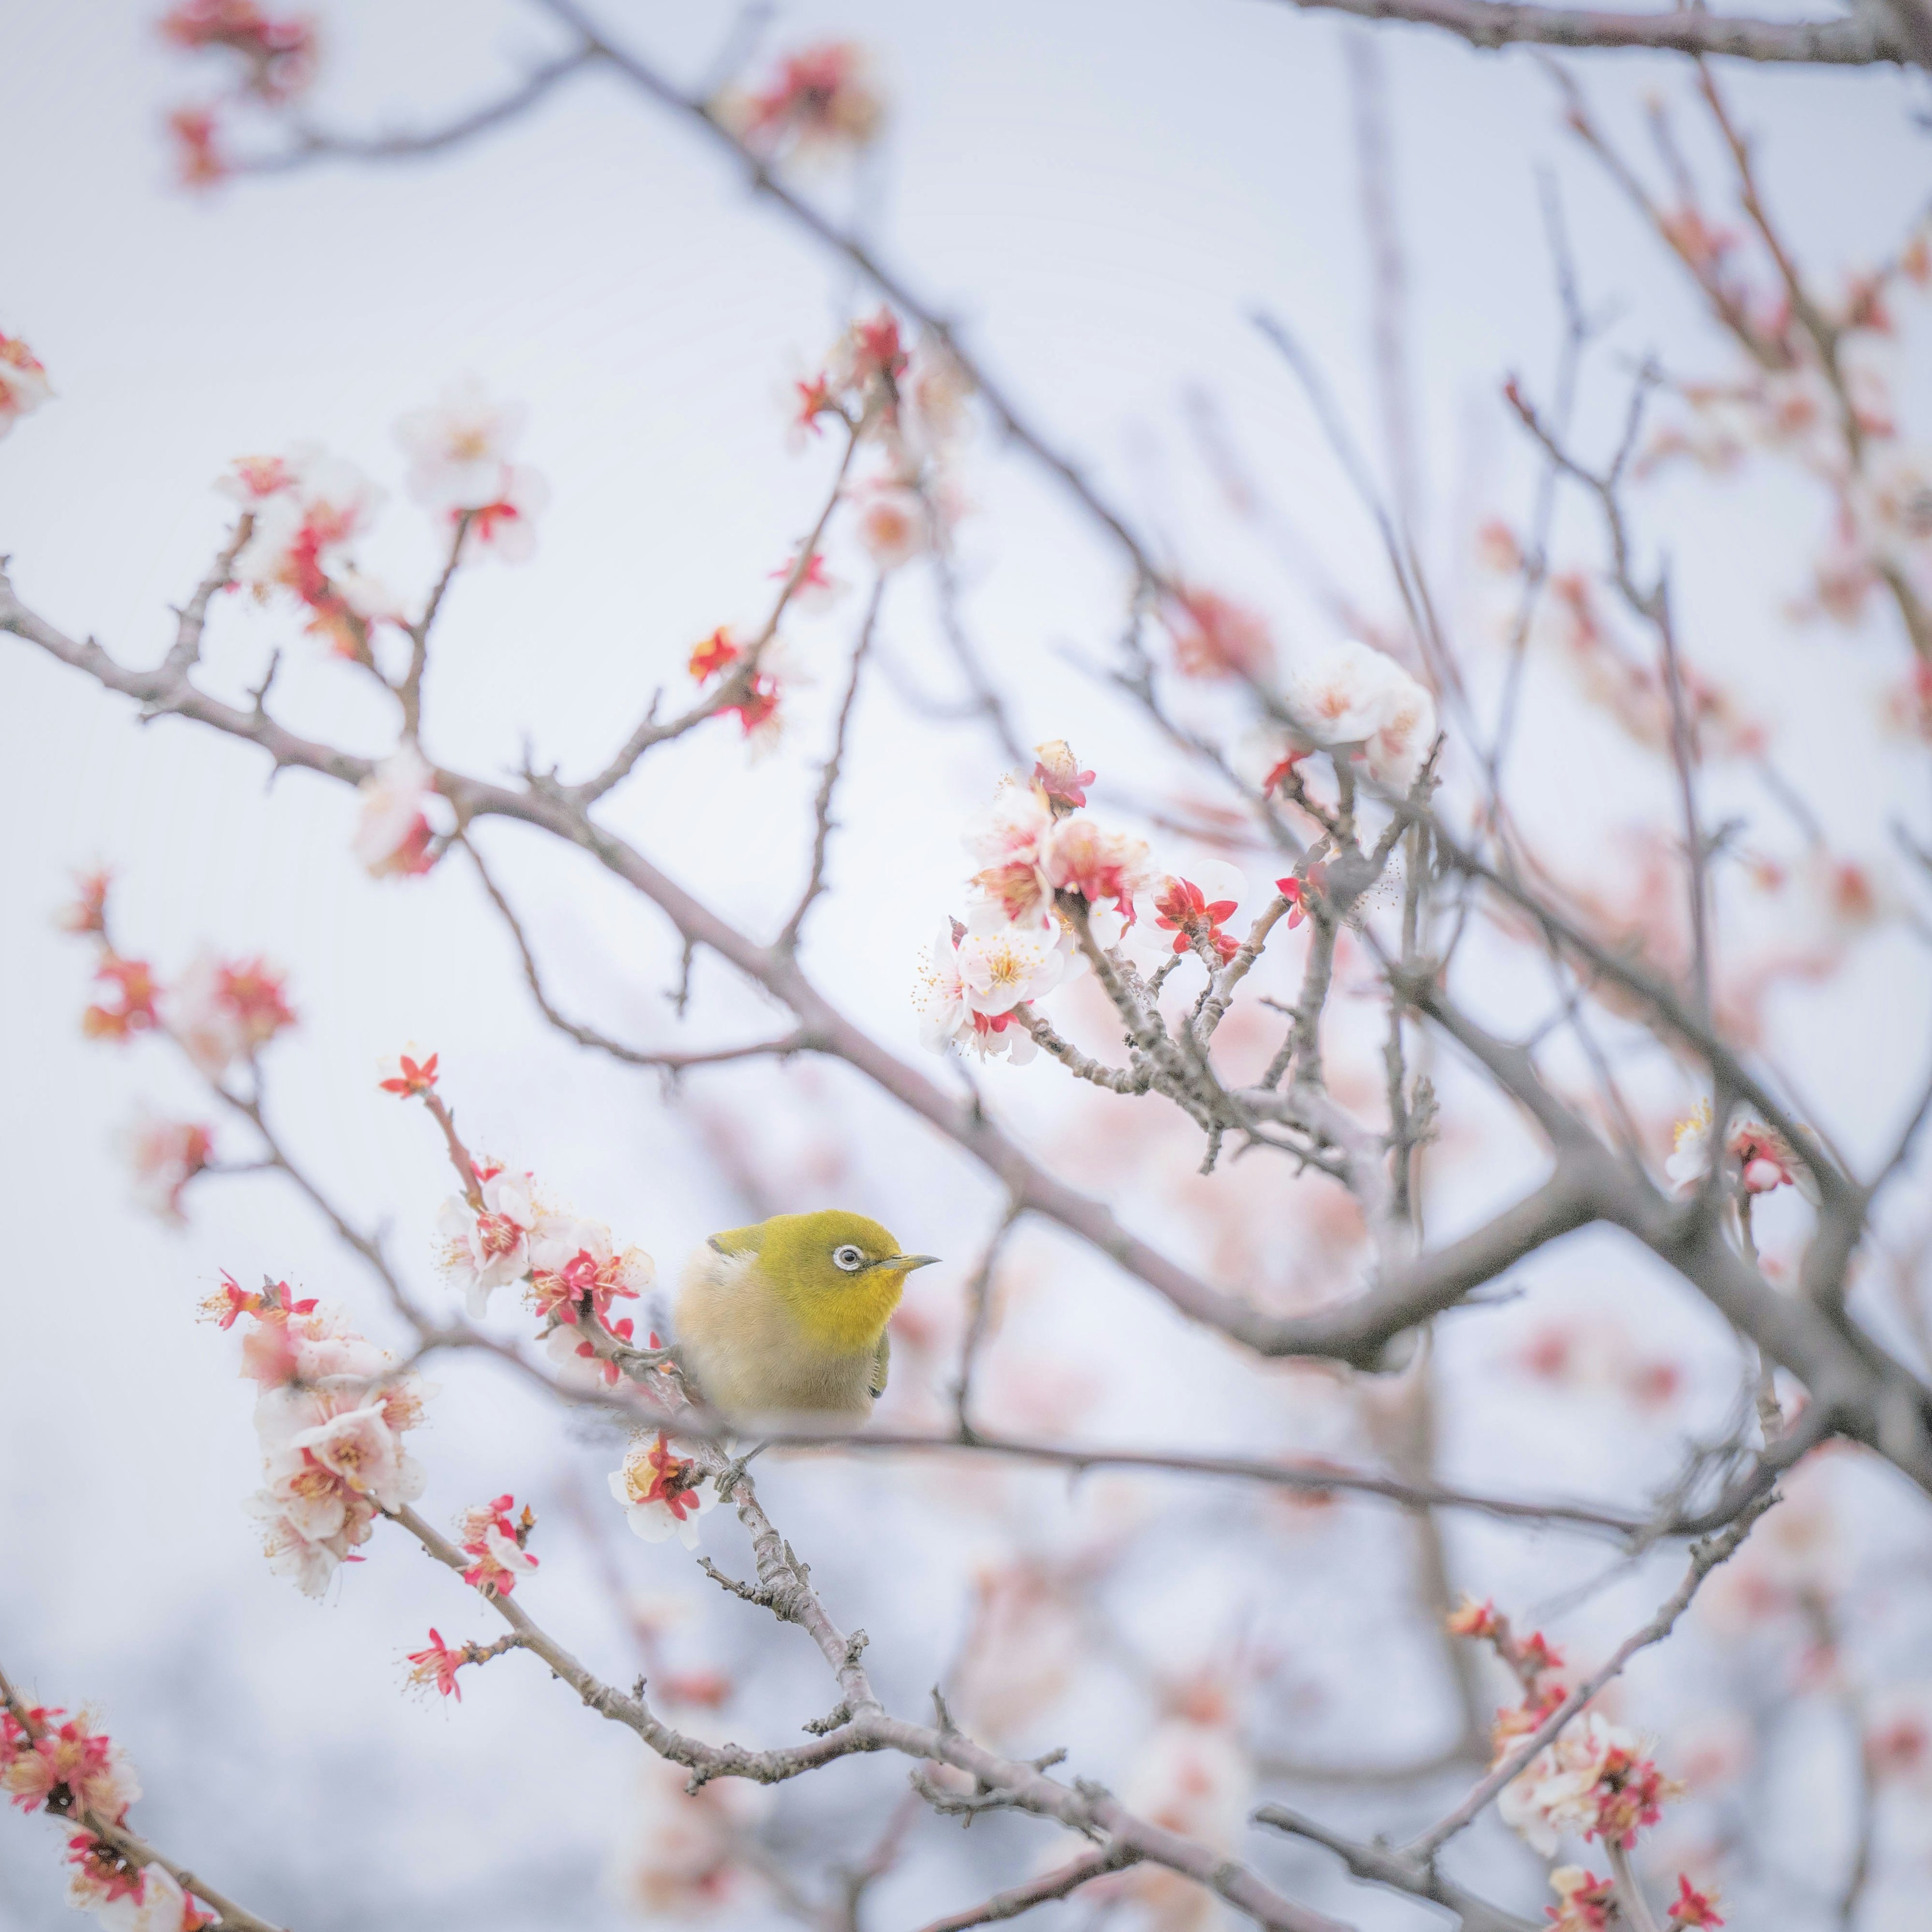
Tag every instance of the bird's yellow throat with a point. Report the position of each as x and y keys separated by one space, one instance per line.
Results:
x=851 y=1318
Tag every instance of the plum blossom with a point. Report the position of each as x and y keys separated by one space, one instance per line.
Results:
x=663 y=1494
x=222 y=1011
x=1214 y=638
x=947 y=1014
x=278 y=52
x=1007 y=838
x=304 y=526
x=330 y=1418
x=135 y=993
x=393 y=835
x=683 y=1859
x=1185 y=911
x=1585 y=1902
x=1080 y=856
x=360 y=1450
x=438 y=1664
x=126 y=1900
x=485 y=1247
x=895 y=523
x=165 y=1156
x=818 y=101
x=1593 y=1780
x=575 y=1266
x=1058 y=776
x=491 y=1534
x=460 y=448
x=1760 y=1157
x=70 y=1767
x=1001 y=967
x=576 y=1356
x=1352 y=693
x=409 y=1073
x=24 y=386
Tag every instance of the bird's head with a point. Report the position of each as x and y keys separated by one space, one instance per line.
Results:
x=841 y=1274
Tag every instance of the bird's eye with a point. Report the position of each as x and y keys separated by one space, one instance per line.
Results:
x=849 y=1257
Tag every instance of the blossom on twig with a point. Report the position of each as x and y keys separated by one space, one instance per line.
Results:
x=492 y=1533
x=24 y=386
x=663 y=1493
x=394 y=838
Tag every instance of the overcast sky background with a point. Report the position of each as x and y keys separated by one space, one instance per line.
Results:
x=1100 y=195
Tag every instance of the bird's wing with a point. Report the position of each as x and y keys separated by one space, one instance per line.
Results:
x=882 y=1361
x=738 y=1240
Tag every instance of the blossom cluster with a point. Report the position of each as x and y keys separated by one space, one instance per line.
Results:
x=1041 y=855
x=308 y=510
x=815 y=103
x=221 y=1012
x=63 y=1766
x=24 y=386
x=1593 y=1778
x=331 y=1413
x=277 y=54
x=494 y=1535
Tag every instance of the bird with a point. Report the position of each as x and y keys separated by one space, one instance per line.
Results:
x=788 y=1317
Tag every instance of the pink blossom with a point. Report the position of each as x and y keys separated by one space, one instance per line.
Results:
x=438 y=1664
x=1216 y=638
x=947 y=1015
x=1079 y=856
x=1352 y=693
x=1593 y=1780
x=358 y=1447
x=575 y=1265
x=222 y=1011
x=1008 y=838
x=485 y=1248
x=662 y=1492
x=165 y=1155
x=490 y=1534
x=393 y=835
x=894 y=524
x=24 y=386
x=818 y=101
x=71 y=1767
x=460 y=448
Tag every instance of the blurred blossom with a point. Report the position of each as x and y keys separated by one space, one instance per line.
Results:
x=23 y=381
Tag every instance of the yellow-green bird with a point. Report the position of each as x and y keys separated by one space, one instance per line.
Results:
x=789 y=1317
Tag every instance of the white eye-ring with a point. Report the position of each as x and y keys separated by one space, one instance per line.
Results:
x=851 y=1258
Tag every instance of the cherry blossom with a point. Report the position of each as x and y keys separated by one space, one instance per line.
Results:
x=165 y=1156
x=309 y=1561
x=393 y=834
x=820 y=100
x=24 y=386
x=490 y=1533
x=222 y=1011
x=663 y=1494
x=460 y=448
x=484 y=1248
x=575 y=1266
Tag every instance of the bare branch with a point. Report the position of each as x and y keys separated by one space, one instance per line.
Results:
x=1055 y=1884
x=1498 y=23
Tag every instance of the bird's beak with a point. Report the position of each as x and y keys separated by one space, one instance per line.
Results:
x=905 y=1264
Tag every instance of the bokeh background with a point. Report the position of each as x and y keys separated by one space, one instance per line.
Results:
x=1100 y=195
